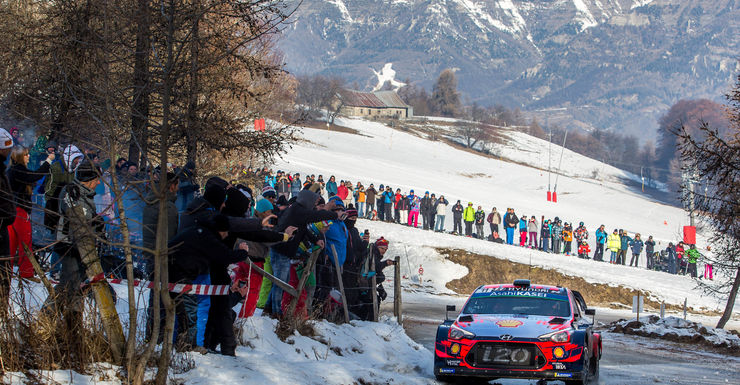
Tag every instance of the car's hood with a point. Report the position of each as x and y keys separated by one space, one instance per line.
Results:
x=517 y=326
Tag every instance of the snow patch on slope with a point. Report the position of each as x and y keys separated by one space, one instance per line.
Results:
x=387 y=74
x=640 y=3
x=586 y=19
x=342 y=9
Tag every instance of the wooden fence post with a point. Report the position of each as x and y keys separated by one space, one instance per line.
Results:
x=302 y=282
x=374 y=288
x=341 y=284
x=397 y=308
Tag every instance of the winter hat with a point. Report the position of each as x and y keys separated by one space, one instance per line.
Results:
x=381 y=242
x=337 y=201
x=351 y=213
x=220 y=182
x=268 y=192
x=215 y=195
x=281 y=201
x=220 y=222
x=580 y=224
x=426 y=192
x=237 y=203
x=6 y=140
x=87 y=171
x=263 y=205
x=412 y=191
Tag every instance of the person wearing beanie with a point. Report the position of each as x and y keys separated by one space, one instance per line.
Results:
x=194 y=250
x=263 y=205
x=236 y=204
x=379 y=248
x=79 y=227
x=7 y=217
x=202 y=208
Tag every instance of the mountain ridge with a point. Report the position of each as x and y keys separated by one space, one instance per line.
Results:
x=612 y=64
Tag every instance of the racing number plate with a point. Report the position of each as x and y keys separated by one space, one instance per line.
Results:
x=504 y=355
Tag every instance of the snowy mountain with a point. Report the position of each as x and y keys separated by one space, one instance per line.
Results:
x=607 y=63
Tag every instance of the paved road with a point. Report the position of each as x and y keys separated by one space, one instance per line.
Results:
x=626 y=359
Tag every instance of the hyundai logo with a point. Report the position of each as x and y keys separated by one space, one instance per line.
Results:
x=506 y=337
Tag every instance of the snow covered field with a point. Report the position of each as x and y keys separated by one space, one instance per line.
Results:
x=382 y=155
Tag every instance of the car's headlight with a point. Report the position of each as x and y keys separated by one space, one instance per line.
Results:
x=457 y=333
x=559 y=337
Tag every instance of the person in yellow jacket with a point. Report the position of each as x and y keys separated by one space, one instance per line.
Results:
x=613 y=243
x=469 y=218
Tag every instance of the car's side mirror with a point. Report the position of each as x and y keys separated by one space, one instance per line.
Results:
x=590 y=311
x=448 y=310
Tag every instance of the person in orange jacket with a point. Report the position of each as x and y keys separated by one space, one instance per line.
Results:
x=567 y=238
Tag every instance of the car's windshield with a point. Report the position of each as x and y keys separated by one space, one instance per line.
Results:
x=518 y=305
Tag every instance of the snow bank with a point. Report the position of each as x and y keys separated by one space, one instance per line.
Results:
x=679 y=330
x=360 y=352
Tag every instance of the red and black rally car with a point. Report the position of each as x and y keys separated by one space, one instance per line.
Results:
x=519 y=331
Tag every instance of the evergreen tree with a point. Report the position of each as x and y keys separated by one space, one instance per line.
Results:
x=445 y=98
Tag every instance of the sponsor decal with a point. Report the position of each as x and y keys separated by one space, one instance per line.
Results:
x=446 y=370
x=454 y=362
x=568 y=375
x=509 y=323
x=558 y=366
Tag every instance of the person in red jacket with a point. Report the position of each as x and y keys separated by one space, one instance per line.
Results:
x=583 y=250
x=342 y=191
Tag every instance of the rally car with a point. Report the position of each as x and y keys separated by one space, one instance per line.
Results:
x=519 y=330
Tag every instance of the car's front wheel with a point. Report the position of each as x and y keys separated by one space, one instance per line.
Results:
x=590 y=371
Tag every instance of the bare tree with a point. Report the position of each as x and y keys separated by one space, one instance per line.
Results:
x=715 y=157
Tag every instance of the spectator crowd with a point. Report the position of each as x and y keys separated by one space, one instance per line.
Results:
x=223 y=233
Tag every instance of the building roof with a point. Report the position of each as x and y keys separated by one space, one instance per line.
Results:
x=378 y=99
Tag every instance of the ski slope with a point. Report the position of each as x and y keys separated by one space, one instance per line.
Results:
x=382 y=155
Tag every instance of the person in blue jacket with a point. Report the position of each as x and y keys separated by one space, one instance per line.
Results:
x=600 y=241
x=331 y=186
x=337 y=235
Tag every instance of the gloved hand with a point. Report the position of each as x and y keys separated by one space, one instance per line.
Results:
x=381 y=293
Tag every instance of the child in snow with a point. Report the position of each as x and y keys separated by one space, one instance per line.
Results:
x=523 y=230
x=583 y=250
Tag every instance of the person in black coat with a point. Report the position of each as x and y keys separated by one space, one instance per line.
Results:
x=457 y=213
x=357 y=251
x=219 y=327
x=194 y=250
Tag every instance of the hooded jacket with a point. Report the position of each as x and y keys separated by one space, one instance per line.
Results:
x=442 y=206
x=533 y=226
x=469 y=214
x=194 y=250
x=300 y=214
x=614 y=242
